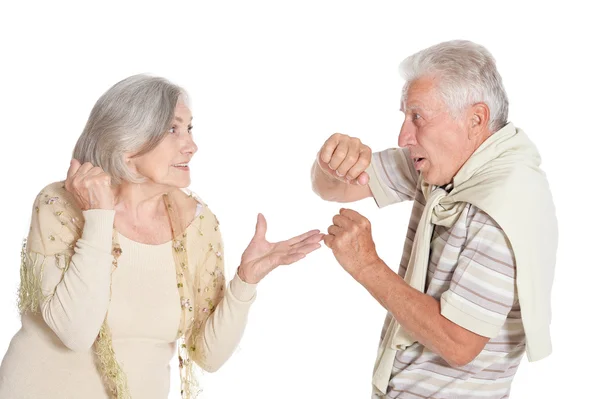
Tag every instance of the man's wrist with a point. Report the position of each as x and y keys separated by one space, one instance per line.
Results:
x=368 y=270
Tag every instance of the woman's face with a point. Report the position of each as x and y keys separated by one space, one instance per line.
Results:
x=168 y=163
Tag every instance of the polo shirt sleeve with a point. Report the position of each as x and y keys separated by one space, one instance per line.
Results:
x=393 y=177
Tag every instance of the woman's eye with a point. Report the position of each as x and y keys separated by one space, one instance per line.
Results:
x=190 y=129
x=172 y=130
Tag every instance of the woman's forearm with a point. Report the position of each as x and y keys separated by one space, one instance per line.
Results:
x=77 y=300
x=224 y=328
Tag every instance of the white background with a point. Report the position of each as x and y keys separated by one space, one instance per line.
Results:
x=269 y=83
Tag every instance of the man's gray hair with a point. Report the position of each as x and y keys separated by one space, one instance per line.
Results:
x=468 y=75
x=133 y=116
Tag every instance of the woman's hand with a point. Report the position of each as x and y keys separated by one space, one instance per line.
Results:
x=90 y=186
x=261 y=256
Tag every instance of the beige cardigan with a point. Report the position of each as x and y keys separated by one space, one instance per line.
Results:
x=69 y=285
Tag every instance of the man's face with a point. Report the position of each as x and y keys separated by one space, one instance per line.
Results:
x=439 y=144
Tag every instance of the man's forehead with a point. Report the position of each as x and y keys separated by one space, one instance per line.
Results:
x=414 y=105
x=420 y=95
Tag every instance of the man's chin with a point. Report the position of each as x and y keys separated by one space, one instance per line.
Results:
x=433 y=180
x=426 y=177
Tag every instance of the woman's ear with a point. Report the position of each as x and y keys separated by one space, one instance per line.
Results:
x=130 y=162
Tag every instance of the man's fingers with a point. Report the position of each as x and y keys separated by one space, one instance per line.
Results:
x=328 y=240
x=364 y=159
x=342 y=221
x=351 y=214
x=329 y=147
x=363 y=179
x=352 y=156
x=335 y=230
x=345 y=157
x=339 y=155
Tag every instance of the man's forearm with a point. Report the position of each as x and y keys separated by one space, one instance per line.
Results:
x=420 y=315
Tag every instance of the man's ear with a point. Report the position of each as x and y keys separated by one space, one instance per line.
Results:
x=478 y=120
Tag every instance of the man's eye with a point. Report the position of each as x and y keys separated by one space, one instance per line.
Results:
x=416 y=116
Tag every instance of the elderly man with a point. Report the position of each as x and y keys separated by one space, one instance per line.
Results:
x=473 y=290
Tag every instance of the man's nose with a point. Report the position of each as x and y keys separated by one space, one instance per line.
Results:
x=406 y=136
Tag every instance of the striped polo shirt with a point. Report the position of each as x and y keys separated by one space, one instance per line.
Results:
x=472 y=264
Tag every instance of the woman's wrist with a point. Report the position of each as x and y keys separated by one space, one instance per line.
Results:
x=246 y=275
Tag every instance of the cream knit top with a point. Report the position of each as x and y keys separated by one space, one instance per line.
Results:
x=70 y=286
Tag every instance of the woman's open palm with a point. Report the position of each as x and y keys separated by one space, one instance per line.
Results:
x=262 y=256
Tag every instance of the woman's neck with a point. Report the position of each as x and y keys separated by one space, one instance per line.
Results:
x=141 y=200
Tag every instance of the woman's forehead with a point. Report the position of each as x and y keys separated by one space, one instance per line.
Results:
x=182 y=113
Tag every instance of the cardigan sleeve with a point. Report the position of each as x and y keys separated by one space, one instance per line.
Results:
x=224 y=328
x=66 y=268
x=222 y=308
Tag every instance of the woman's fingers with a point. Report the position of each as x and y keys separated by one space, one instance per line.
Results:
x=83 y=170
x=95 y=171
x=295 y=240
x=309 y=240
x=73 y=168
x=90 y=186
x=307 y=248
x=294 y=254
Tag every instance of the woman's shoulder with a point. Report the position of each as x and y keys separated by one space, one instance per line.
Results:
x=199 y=214
x=194 y=204
x=55 y=197
x=56 y=219
x=55 y=191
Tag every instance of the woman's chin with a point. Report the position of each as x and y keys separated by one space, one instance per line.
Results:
x=173 y=184
x=181 y=183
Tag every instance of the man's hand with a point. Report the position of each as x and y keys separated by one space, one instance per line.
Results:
x=351 y=241
x=345 y=158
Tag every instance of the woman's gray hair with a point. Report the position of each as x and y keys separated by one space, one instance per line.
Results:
x=133 y=116
x=468 y=75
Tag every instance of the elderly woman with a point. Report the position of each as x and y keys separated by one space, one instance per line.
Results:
x=122 y=263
